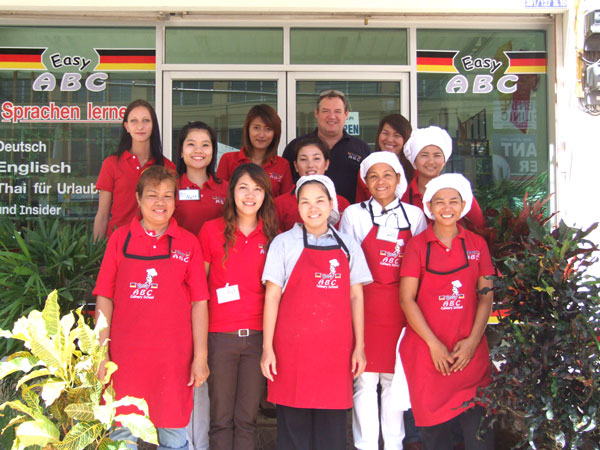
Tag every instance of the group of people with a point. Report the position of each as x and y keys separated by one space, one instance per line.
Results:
x=327 y=272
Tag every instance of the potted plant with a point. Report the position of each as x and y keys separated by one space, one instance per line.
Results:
x=63 y=405
x=549 y=322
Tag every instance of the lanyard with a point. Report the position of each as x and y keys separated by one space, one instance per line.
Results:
x=390 y=216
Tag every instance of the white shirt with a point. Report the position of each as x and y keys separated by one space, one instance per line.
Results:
x=356 y=220
x=286 y=248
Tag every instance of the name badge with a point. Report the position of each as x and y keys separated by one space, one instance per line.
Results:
x=189 y=194
x=228 y=294
x=387 y=234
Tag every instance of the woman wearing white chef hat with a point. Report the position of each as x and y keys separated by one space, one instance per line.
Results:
x=383 y=225
x=313 y=322
x=444 y=351
x=428 y=150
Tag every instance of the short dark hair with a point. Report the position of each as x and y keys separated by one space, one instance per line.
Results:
x=312 y=140
x=332 y=93
x=153 y=176
x=269 y=116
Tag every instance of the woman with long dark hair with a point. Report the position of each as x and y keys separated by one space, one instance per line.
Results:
x=139 y=148
x=261 y=134
x=201 y=194
x=235 y=248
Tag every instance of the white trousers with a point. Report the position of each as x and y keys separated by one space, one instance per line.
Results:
x=197 y=430
x=366 y=414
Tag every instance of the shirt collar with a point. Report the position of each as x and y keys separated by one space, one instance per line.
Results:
x=377 y=208
x=128 y=155
x=297 y=232
x=414 y=186
x=186 y=183
x=137 y=229
x=258 y=229
x=431 y=237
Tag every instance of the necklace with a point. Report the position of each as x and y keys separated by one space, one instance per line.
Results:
x=151 y=233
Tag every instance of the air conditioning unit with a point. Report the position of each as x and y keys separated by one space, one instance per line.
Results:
x=591 y=31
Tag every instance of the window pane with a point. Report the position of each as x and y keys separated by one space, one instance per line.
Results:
x=488 y=89
x=222 y=104
x=47 y=72
x=224 y=46
x=348 y=46
x=368 y=101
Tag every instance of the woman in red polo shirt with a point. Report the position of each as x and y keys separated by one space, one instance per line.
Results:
x=261 y=134
x=445 y=292
x=428 y=150
x=139 y=148
x=311 y=158
x=235 y=247
x=201 y=194
x=152 y=291
x=392 y=133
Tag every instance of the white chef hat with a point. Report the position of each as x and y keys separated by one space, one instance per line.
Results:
x=422 y=137
x=334 y=216
x=449 y=180
x=390 y=159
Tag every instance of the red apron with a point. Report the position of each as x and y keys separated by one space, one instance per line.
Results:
x=448 y=301
x=313 y=339
x=384 y=318
x=151 y=337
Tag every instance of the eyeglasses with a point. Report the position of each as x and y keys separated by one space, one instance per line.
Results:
x=332 y=91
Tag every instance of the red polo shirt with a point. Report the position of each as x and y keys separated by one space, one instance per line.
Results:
x=446 y=259
x=277 y=168
x=119 y=175
x=191 y=214
x=286 y=207
x=243 y=267
x=362 y=191
x=414 y=197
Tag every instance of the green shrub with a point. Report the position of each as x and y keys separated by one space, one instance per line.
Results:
x=549 y=349
x=39 y=257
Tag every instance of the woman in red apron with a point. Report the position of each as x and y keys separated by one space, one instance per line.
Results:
x=392 y=133
x=428 y=150
x=261 y=133
x=311 y=158
x=383 y=226
x=152 y=290
x=313 y=323
x=444 y=351
x=139 y=149
x=234 y=248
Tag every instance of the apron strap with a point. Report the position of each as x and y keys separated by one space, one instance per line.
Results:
x=370 y=208
x=326 y=247
x=144 y=258
x=430 y=270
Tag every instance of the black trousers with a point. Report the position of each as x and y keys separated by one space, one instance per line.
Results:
x=311 y=429
x=439 y=437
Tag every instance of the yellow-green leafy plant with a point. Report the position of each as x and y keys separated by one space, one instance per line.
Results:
x=63 y=405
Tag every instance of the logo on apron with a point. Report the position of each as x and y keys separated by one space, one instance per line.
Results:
x=454 y=300
x=180 y=256
x=144 y=291
x=329 y=280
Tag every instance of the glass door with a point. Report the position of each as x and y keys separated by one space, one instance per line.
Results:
x=220 y=99
x=371 y=96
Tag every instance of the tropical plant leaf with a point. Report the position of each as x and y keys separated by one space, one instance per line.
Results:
x=80 y=394
x=80 y=436
x=23 y=364
x=52 y=390
x=104 y=414
x=37 y=432
x=139 y=403
x=108 y=444
x=32 y=399
x=87 y=339
x=81 y=411
x=43 y=348
x=140 y=427
x=32 y=375
x=17 y=405
x=111 y=368
x=51 y=314
x=15 y=420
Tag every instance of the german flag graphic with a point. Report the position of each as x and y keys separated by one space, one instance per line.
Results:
x=125 y=59
x=526 y=62
x=439 y=61
x=21 y=58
